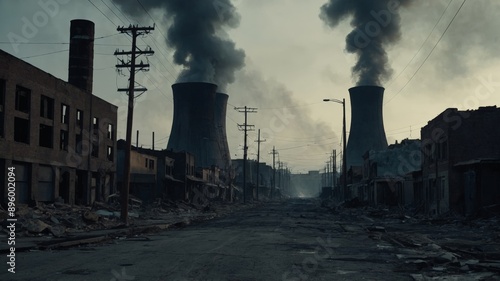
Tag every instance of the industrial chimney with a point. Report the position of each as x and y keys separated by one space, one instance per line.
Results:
x=220 y=123
x=367 y=124
x=81 y=54
x=194 y=126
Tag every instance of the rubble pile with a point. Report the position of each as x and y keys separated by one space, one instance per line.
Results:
x=68 y=226
x=444 y=247
x=59 y=220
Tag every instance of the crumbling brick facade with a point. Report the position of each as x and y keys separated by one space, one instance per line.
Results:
x=61 y=139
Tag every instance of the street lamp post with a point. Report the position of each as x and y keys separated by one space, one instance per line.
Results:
x=344 y=157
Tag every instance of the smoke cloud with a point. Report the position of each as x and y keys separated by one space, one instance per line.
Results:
x=376 y=25
x=196 y=33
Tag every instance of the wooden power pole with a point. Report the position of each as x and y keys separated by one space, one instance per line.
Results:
x=245 y=127
x=133 y=31
x=258 y=141
x=274 y=171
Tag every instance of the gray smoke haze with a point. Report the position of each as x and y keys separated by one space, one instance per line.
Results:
x=376 y=25
x=285 y=122
x=196 y=33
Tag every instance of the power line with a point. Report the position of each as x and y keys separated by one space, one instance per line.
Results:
x=422 y=45
x=110 y=9
x=45 y=54
x=102 y=13
x=153 y=66
x=430 y=53
x=58 y=43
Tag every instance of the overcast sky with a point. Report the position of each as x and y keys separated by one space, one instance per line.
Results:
x=293 y=60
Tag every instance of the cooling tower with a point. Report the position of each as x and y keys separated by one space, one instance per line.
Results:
x=194 y=127
x=367 y=124
x=81 y=54
x=220 y=123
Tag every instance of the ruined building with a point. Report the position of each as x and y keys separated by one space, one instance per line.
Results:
x=60 y=138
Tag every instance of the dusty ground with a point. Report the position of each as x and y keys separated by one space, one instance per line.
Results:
x=291 y=240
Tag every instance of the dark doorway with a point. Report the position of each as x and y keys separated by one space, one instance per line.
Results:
x=80 y=187
x=64 y=186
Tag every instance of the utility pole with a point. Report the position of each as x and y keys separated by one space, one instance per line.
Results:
x=134 y=31
x=245 y=127
x=344 y=152
x=274 y=171
x=334 y=168
x=258 y=141
x=279 y=174
x=327 y=173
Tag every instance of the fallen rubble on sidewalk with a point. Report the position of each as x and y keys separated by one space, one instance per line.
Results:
x=444 y=247
x=66 y=226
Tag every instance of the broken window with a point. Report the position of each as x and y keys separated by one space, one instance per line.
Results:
x=47 y=107
x=64 y=140
x=64 y=113
x=23 y=99
x=45 y=136
x=110 y=155
x=2 y=106
x=151 y=164
x=96 y=124
x=110 y=131
x=79 y=118
x=95 y=148
x=79 y=144
x=21 y=130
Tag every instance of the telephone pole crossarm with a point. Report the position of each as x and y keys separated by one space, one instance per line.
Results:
x=245 y=127
x=134 y=31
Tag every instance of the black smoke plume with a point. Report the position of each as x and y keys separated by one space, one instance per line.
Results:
x=376 y=25
x=196 y=33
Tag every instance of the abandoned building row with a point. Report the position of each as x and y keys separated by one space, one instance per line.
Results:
x=62 y=141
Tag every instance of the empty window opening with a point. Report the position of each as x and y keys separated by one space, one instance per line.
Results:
x=96 y=124
x=47 y=107
x=64 y=140
x=45 y=136
x=79 y=118
x=110 y=131
x=110 y=154
x=21 y=130
x=64 y=114
x=79 y=144
x=23 y=99
x=95 y=148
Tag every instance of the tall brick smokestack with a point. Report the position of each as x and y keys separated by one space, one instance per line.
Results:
x=367 y=124
x=194 y=127
x=81 y=54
